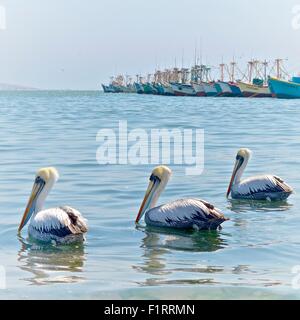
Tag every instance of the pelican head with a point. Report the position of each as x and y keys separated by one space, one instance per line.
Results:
x=158 y=181
x=43 y=183
x=242 y=159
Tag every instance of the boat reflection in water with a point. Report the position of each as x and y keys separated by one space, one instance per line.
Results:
x=49 y=264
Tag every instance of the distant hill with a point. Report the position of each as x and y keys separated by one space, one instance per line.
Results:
x=13 y=87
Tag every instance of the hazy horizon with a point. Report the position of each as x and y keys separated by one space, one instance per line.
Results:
x=74 y=45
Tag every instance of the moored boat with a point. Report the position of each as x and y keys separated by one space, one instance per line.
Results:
x=120 y=85
x=131 y=88
x=149 y=88
x=108 y=89
x=210 y=89
x=181 y=89
x=282 y=89
x=167 y=89
x=199 y=89
x=223 y=89
x=254 y=91
x=139 y=88
x=159 y=88
x=236 y=91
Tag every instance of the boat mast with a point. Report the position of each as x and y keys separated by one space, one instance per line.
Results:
x=232 y=73
x=195 y=62
x=256 y=68
x=278 y=68
x=265 y=64
x=222 y=66
x=250 y=64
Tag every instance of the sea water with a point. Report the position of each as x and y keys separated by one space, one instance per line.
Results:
x=257 y=253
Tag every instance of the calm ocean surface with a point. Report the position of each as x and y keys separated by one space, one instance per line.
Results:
x=252 y=257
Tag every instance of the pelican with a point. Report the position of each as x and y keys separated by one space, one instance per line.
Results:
x=265 y=187
x=61 y=225
x=180 y=214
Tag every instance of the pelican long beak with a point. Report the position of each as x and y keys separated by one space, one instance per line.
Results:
x=153 y=184
x=30 y=208
x=237 y=165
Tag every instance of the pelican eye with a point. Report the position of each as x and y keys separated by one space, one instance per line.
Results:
x=155 y=178
x=240 y=160
x=39 y=180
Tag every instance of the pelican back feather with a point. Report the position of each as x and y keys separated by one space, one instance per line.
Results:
x=63 y=224
x=262 y=188
x=186 y=214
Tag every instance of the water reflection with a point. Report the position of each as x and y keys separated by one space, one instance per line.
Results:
x=260 y=212
x=49 y=264
x=205 y=241
x=240 y=206
x=159 y=243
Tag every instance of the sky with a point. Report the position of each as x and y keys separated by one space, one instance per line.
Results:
x=76 y=44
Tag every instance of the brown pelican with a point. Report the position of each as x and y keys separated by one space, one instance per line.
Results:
x=59 y=225
x=180 y=214
x=265 y=187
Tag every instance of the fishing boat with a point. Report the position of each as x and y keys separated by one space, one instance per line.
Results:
x=202 y=81
x=223 y=89
x=146 y=88
x=283 y=89
x=161 y=82
x=254 y=91
x=131 y=88
x=149 y=88
x=182 y=89
x=127 y=86
x=167 y=89
x=157 y=83
x=210 y=89
x=108 y=89
x=199 y=89
x=139 y=88
x=120 y=85
x=197 y=73
x=181 y=86
x=256 y=85
x=159 y=88
x=228 y=88
x=232 y=68
x=236 y=91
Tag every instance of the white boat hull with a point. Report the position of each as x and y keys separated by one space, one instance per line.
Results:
x=183 y=89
